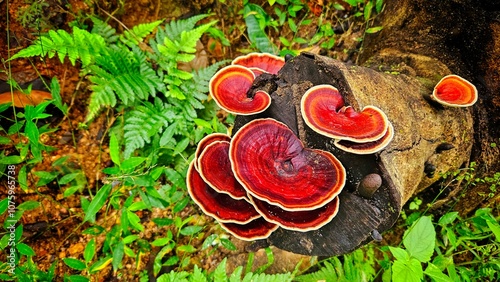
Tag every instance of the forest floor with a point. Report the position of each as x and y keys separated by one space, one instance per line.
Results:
x=53 y=230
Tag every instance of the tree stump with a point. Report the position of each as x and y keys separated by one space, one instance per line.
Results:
x=420 y=125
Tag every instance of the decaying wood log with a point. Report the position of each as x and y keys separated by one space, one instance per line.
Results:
x=420 y=128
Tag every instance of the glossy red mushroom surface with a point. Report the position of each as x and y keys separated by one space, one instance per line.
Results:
x=254 y=230
x=218 y=205
x=207 y=140
x=454 y=91
x=323 y=111
x=229 y=87
x=215 y=168
x=272 y=164
x=261 y=62
x=298 y=220
x=366 y=147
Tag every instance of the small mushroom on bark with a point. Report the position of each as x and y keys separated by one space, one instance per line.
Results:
x=454 y=91
x=369 y=185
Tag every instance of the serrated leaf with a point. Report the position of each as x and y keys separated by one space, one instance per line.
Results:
x=407 y=271
x=436 y=274
x=420 y=239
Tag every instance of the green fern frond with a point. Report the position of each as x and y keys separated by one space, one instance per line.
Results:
x=328 y=272
x=138 y=33
x=175 y=28
x=104 y=30
x=144 y=122
x=81 y=44
x=124 y=74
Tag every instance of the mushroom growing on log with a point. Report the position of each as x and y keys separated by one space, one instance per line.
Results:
x=418 y=129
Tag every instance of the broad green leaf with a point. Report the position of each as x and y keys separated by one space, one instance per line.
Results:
x=114 y=150
x=118 y=253
x=22 y=179
x=374 y=29
x=25 y=249
x=31 y=131
x=131 y=163
x=28 y=205
x=89 y=252
x=100 y=265
x=399 y=253
x=134 y=221
x=495 y=228
x=226 y=243
x=137 y=206
x=181 y=146
x=97 y=203
x=448 y=218
x=436 y=274
x=407 y=271
x=4 y=204
x=74 y=263
x=190 y=230
x=186 y=248
x=67 y=178
x=77 y=278
x=4 y=140
x=420 y=239
x=11 y=160
x=160 y=242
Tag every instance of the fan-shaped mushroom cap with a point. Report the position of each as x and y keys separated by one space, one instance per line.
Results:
x=260 y=62
x=218 y=205
x=254 y=230
x=229 y=87
x=323 y=111
x=366 y=147
x=272 y=164
x=215 y=168
x=207 y=140
x=454 y=91
x=302 y=221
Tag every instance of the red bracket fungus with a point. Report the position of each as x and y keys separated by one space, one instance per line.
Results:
x=215 y=168
x=323 y=110
x=271 y=163
x=454 y=91
x=218 y=205
x=254 y=230
x=302 y=221
x=207 y=140
x=366 y=147
x=260 y=62
x=229 y=87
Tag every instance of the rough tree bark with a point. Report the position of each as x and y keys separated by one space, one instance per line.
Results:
x=424 y=40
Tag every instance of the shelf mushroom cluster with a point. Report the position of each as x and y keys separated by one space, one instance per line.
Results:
x=264 y=178
x=366 y=132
